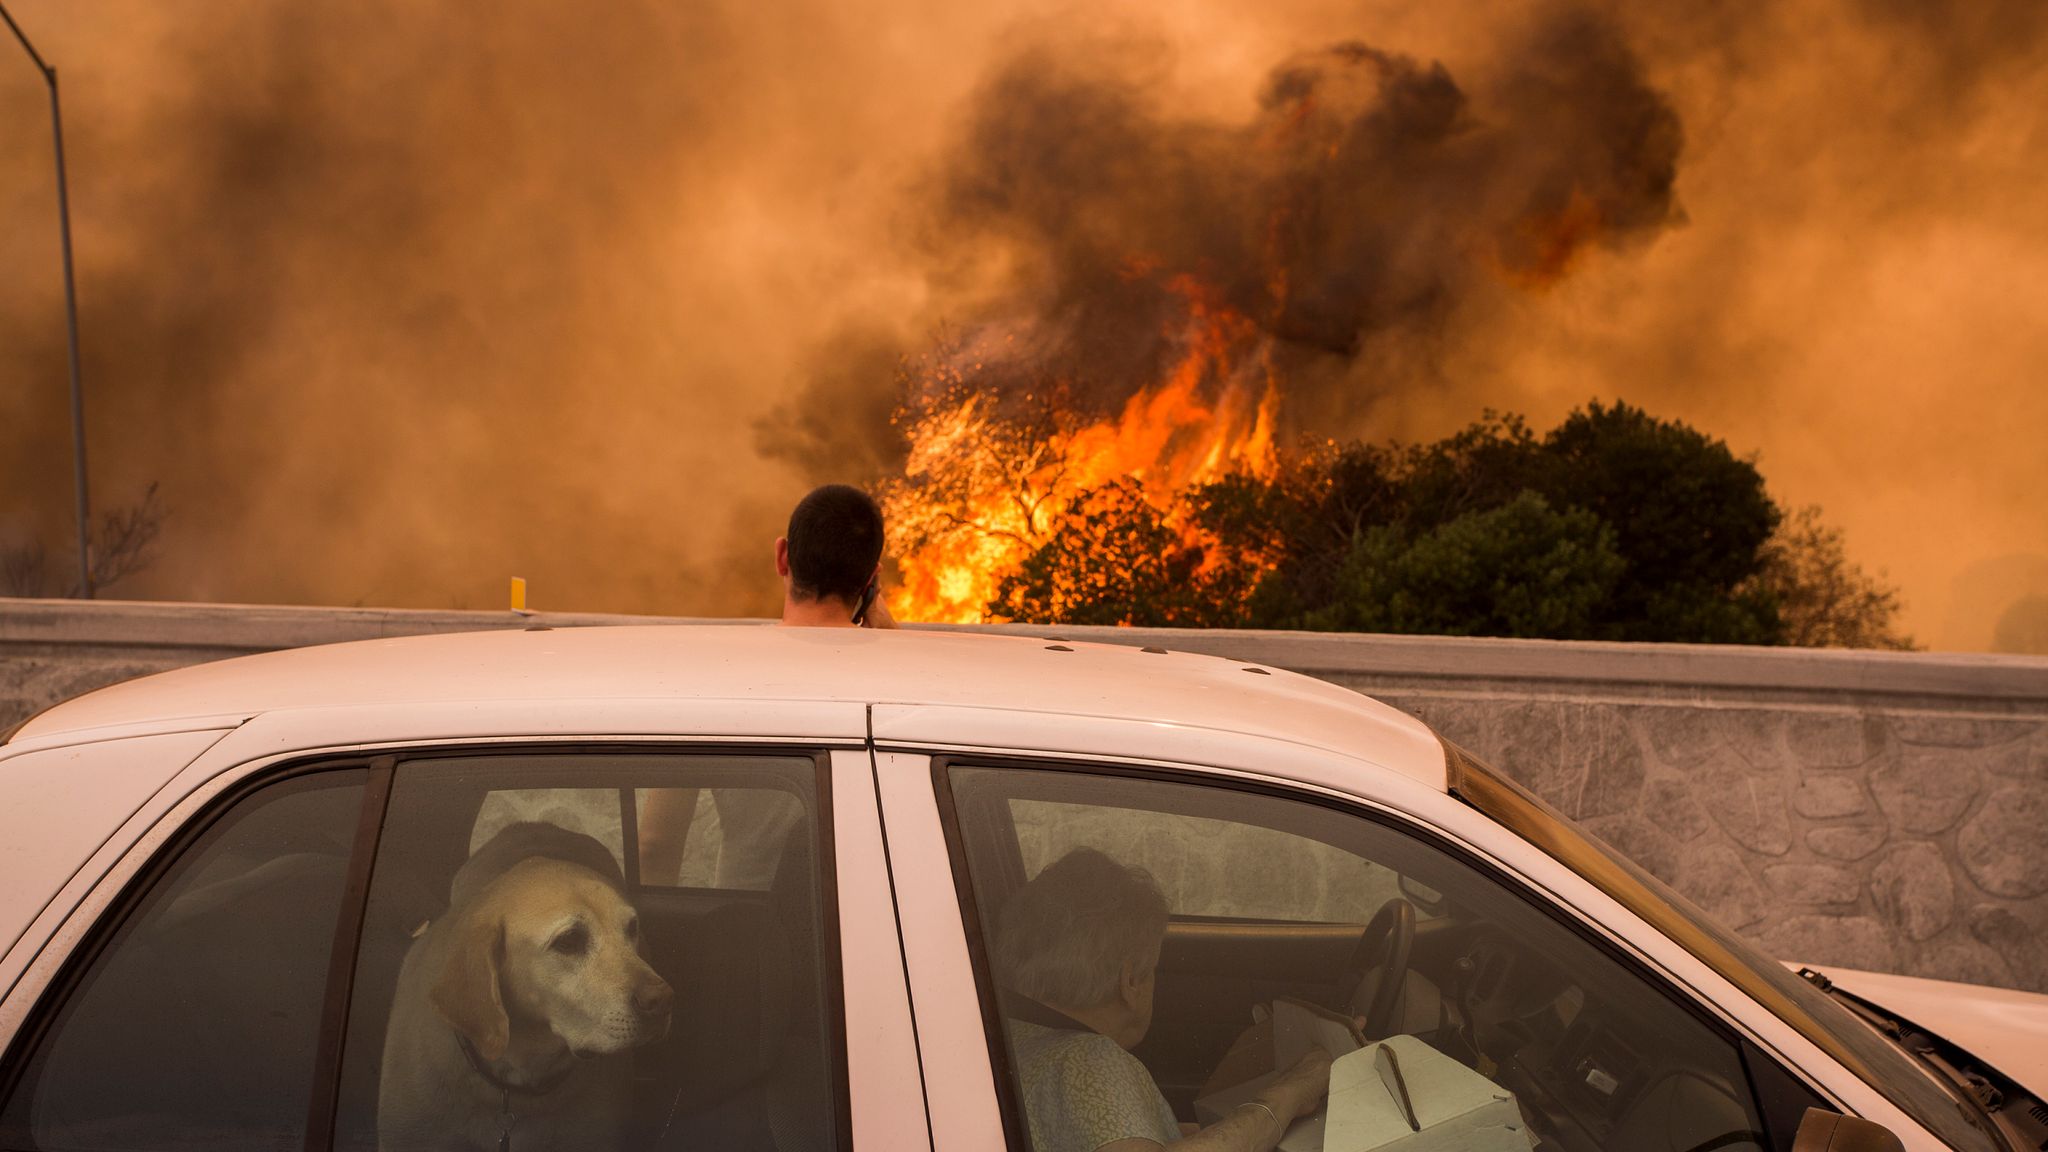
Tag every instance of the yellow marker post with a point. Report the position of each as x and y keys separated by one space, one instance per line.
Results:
x=519 y=594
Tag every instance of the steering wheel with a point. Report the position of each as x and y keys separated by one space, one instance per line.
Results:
x=1384 y=946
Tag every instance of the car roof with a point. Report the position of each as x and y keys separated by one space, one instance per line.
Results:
x=753 y=662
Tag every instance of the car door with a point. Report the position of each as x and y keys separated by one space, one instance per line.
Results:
x=238 y=978
x=1268 y=892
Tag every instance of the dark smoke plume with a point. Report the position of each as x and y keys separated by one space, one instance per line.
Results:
x=1373 y=205
x=393 y=298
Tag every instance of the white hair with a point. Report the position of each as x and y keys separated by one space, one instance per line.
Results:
x=1065 y=937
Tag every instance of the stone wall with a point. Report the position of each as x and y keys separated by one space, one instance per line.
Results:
x=1875 y=810
x=1860 y=835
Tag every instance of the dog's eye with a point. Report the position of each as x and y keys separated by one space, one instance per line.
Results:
x=573 y=941
x=633 y=929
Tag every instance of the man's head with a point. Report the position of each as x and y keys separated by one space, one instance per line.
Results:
x=834 y=544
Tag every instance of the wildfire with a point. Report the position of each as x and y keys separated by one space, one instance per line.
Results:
x=983 y=488
x=1353 y=216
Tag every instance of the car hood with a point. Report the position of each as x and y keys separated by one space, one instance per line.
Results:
x=2007 y=1030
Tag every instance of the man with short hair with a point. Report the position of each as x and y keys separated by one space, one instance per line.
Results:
x=828 y=562
x=830 y=559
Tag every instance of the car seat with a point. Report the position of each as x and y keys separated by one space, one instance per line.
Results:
x=744 y=1068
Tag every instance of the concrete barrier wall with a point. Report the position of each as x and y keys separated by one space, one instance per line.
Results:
x=1875 y=810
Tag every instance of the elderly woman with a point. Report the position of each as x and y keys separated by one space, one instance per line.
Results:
x=1077 y=950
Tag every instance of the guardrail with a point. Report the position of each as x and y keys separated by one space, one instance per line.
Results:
x=1866 y=809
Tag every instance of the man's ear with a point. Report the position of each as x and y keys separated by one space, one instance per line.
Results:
x=466 y=994
x=782 y=557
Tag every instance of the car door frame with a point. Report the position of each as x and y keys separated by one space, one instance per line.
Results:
x=916 y=827
x=80 y=919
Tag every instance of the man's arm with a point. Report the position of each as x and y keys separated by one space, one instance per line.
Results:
x=665 y=817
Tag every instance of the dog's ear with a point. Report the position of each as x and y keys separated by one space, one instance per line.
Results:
x=466 y=993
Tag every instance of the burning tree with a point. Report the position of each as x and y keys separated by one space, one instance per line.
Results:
x=1008 y=455
x=1615 y=525
x=1119 y=558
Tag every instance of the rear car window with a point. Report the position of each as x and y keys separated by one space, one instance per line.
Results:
x=196 y=1025
x=540 y=949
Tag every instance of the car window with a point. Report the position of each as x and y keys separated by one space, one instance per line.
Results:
x=727 y=838
x=562 y=949
x=1212 y=867
x=1089 y=888
x=594 y=950
x=196 y=1025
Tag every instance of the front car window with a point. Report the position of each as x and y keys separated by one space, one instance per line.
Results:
x=1213 y=868
x=1816 y=1016
x=1267 y=924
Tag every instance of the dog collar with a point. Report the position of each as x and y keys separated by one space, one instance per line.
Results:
x=506 y=1089
x=539 y=1088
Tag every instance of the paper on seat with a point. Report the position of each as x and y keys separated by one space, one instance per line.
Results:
x=1401 y=1095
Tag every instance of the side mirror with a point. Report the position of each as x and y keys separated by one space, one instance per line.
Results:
x=1830 y=1132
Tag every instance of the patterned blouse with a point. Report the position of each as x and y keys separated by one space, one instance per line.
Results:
x=1082 y=1091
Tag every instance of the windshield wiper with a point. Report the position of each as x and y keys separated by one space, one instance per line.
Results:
x=1977 y=1097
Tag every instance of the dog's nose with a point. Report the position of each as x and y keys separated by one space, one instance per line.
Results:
x=653 y=999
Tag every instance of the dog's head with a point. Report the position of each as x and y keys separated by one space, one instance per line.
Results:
x=553 y=944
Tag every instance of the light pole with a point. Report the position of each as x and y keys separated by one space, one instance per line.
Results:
x=70 y=310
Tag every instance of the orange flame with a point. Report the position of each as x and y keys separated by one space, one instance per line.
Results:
x=1546 y=246
x=980 y=493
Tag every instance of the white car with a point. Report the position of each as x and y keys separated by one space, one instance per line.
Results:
x=211 y=881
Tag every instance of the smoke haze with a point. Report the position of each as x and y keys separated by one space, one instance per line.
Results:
x=396 y=299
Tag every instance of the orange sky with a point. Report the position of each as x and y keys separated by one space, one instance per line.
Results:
x=396 y=301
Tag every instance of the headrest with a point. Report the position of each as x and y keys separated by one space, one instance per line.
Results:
x=524 y=841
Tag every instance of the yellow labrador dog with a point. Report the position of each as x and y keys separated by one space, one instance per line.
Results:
x=513 y=1009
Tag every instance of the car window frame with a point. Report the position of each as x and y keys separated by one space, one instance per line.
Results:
x=155 y=857
x=136 y=888
x=1744 y=1048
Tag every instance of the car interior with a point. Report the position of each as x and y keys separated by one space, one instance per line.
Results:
x=198 y=1024
x=1597 y=1055
x=744 y=1065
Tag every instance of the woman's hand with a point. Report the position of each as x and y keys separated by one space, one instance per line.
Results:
x=1302 y=1089
x=1258 y=1124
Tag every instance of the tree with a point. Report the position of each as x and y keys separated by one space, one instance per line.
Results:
x=1686 y=518
x=122 y=544
x=1522 y=569
x=1823 y=600
x=1485 y=465
x=1689 y=517
x=1615 y=525
x=2023 y=627
x=1120 y=560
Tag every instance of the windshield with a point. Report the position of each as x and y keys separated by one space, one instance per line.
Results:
x=1817 y=1016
